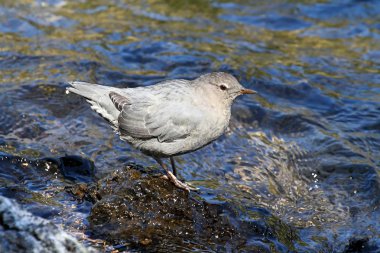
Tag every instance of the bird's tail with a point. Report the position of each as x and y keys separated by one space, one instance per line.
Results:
x=98 y=96
x=90 y=91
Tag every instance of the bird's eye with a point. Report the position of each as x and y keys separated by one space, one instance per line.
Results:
x=223 y=87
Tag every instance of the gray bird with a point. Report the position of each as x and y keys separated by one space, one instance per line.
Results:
x=169 y=118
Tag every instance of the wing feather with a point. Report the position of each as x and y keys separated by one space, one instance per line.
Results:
x=147 y=117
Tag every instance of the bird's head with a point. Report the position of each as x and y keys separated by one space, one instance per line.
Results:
x=223 y=85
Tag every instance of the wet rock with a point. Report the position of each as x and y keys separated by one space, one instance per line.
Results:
x=20 y=231
x=139 y=209
x=358 y=245
x=77 y=168
x=22 y=179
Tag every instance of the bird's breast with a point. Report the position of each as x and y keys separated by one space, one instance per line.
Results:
x=215 y=125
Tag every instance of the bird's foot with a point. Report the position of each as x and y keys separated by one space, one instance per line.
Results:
x=180 y=184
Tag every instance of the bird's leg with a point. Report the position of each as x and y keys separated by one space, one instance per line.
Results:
x=173 y=166
x=173 y=178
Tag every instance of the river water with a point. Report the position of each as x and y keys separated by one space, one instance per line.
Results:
x=304 y=152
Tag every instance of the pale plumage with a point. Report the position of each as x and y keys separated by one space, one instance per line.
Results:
x=167 y=119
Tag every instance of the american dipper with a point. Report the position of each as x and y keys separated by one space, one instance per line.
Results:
x=169 y=118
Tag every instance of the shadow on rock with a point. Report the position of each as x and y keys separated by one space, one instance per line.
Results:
x=138 y=209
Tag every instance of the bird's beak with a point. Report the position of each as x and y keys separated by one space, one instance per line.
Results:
x=247 y=91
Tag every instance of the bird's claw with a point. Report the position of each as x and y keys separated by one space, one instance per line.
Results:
x=180 y=184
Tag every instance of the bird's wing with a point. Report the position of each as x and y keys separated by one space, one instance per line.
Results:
x=157 y=117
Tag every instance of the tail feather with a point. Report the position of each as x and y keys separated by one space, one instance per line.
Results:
x=87 y=90
x=98 y=96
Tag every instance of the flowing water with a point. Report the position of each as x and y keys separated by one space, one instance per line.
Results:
x=305 y=152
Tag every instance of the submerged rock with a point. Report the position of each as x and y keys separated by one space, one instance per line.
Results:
x=20 y=231
x=141 y=210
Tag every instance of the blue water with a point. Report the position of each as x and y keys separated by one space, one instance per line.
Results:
x=305 y=150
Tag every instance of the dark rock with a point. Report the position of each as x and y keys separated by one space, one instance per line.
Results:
x=72 y=167
x=20 y=231
x=144 y=211
x=358 y=245
x=77 y=168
